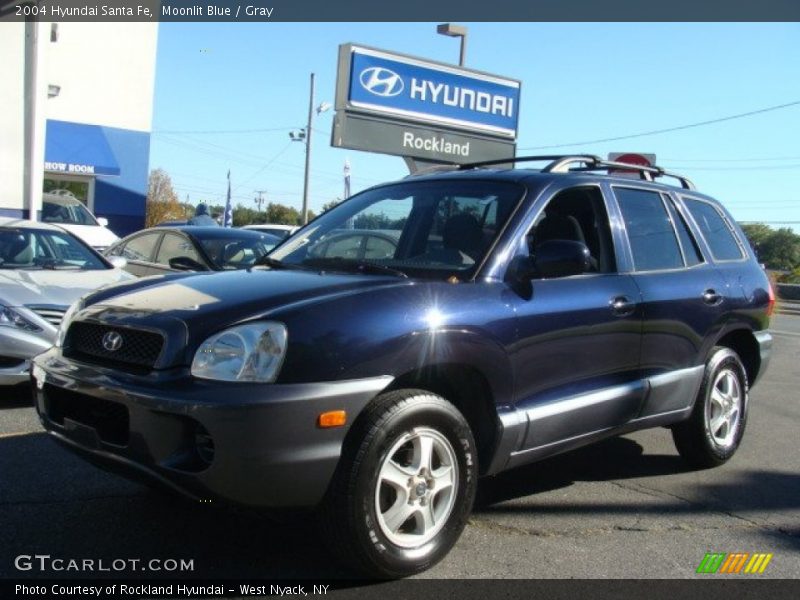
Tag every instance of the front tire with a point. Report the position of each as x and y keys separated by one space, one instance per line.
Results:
x=714 y=431
x=404 y=486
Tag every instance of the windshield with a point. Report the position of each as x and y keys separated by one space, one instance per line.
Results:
x=70 y=213
x=29 y=249
x=424 y=229
x=233 y=253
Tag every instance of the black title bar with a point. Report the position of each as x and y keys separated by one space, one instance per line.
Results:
x=405 y=10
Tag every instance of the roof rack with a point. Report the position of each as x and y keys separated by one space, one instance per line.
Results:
x=563 y=164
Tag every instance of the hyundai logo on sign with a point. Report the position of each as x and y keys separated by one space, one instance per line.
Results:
x=381 y=82
x=426 y=92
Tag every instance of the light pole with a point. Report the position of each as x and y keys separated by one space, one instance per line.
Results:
x=455 y=31
x=304 y=135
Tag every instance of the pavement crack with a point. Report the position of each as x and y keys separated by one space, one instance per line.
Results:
x=656 y=493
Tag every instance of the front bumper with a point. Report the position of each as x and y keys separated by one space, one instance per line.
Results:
x=266 y=449
x=17 y=347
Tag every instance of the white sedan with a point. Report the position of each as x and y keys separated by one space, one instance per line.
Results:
x=43 y=270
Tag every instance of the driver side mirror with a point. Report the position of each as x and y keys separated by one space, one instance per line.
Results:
x=102 y=221
x=184 y=263
x=561 y=258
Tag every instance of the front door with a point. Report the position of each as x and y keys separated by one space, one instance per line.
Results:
x=576 y=362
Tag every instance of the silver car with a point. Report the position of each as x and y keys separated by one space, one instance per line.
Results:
x=43 y=270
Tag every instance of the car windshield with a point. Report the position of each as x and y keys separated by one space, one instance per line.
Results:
x=238 y=252
x=71 y=213
x=29 y=249
x=433 y=229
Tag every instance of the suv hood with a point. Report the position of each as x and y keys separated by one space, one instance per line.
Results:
x=20 y=287
x=205 y=303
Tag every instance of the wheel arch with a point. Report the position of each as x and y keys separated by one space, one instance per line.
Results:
x=743 y=342
x=469 y=390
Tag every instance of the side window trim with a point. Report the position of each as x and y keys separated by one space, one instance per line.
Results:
x=678 y=209
x=664 y=201
x=744 y=254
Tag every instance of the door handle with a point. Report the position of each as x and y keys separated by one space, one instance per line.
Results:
x=712 y=298
x=622 y=306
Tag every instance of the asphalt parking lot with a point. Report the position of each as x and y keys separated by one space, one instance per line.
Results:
x=624 y=508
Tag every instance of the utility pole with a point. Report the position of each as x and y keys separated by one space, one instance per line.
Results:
x=308 y=151
x=260 y=200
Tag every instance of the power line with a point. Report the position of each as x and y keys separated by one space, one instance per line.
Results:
x=667 y=130
x=219 y=131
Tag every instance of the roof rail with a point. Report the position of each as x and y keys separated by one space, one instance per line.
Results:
x=562 y=164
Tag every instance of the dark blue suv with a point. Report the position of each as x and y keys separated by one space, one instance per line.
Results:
x=416 y=337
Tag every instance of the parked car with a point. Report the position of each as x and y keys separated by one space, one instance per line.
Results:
x=361 y=244
x=523 y=313
x=43 y=269
x=189 y=248
x=280 y=231
x=65 y=210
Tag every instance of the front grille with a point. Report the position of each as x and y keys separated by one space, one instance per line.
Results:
x=109 y=419
x=51 y=314
x=139 y=349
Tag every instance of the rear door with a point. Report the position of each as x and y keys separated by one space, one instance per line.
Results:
x=683 y=295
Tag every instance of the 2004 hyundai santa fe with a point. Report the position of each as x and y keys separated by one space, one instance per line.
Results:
x=416 y=337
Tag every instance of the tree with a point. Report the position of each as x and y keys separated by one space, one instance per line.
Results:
x=781 y=250
x=777 y=249
x=329 y=205
x=162 y=201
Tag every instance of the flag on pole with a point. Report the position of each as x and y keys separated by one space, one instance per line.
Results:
x=227 y=220
x=346 y=179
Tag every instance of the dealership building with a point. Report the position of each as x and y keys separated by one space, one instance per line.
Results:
x=77 y=99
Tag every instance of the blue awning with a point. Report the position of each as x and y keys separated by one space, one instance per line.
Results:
x=78 y=149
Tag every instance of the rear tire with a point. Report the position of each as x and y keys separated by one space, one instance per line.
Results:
x=404 y=487
x=714 y=431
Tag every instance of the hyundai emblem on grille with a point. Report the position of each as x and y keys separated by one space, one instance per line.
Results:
x=112 y=341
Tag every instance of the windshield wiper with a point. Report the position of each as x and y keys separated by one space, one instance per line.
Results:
x=360 y=266
x=54 y=265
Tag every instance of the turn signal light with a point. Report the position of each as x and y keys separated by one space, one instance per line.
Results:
x=332 y=418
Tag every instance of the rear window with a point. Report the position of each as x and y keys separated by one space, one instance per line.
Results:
x=715 y=229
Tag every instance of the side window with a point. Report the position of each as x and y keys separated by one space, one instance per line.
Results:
x=141 y=248
x=378 y=247
x=174 y=246
x=653 y=241
x=578 y=215
x=718 y=234
x=691 y=253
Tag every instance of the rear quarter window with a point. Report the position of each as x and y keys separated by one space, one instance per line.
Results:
x=715 y=229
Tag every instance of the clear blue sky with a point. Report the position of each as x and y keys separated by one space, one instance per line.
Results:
x=580 y=82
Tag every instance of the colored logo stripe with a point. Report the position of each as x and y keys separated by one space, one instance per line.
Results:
x=711 y=562
x=734 y=562
x=721 y=562
x=758 y=563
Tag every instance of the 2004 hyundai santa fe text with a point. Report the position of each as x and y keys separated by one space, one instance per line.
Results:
x=418 y=336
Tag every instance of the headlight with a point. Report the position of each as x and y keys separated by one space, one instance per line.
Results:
x=11 y=318
x=66 y=321
x=251 y=352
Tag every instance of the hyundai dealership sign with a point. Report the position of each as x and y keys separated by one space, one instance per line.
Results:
x=431 y=110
